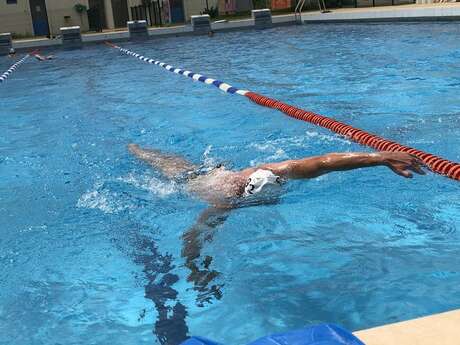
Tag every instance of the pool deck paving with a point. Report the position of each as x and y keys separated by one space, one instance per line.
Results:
x=414 y=12
x=438 y=329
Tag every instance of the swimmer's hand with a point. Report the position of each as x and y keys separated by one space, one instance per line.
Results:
x=402 y=163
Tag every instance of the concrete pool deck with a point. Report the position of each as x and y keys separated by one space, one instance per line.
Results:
x=439 y=329
x=399 y=13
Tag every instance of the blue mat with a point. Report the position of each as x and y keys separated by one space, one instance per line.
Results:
x=325 y=334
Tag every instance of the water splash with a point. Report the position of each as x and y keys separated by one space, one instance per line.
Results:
x=209 y=161
x=101 y=200
x=151 y=184
x=276 y=148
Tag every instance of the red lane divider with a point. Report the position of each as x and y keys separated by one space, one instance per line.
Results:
x=436 y=164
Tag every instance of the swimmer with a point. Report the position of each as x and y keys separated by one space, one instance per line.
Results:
x=43 y=58
x=222 y=188
x=225 y=190
x=12 y=53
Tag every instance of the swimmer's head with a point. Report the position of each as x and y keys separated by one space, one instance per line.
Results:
x=262 y=181
x=12 y=51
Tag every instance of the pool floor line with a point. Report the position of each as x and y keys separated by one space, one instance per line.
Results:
x=436 y=164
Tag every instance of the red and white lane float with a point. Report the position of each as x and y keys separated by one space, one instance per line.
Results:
x=13 y=68
x=434 y=163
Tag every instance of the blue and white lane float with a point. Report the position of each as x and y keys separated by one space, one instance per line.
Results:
x=195 y=76
x=434 y=163
x=13 y=68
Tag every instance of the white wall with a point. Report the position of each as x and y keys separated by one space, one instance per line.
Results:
x=194 y=7
x=15 y=18
x=59 y=9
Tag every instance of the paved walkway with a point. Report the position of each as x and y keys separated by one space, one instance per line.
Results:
x=439 y=11
x=438 y=329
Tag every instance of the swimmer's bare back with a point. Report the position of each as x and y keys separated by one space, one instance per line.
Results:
x=219 y=187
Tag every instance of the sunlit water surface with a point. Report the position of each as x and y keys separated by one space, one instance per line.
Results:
x=90 y=242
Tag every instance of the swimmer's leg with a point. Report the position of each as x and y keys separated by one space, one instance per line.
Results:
x=169 y=165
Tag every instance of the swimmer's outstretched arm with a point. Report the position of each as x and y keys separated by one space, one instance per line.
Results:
x=401 y=163
x=202 y=231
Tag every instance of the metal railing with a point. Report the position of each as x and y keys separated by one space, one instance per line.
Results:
x=301 y=4
x=298 y=11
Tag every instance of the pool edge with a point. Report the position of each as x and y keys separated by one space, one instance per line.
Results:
x=442 y=328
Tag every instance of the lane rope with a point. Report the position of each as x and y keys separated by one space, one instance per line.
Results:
x=195 y=76
x=13 y=68
x=434 y=163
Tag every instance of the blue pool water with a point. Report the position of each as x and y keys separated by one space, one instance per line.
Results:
x=90 y=242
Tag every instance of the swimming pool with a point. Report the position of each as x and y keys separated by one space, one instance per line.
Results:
x=90 y=247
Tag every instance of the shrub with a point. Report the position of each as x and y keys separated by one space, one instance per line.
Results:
x=80 y=8
x=213 y=11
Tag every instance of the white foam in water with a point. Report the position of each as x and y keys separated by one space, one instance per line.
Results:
x=110 y=202
x=207 y=151
x=327 y=137
x=152 y=184
x=207 y=160
x=101 y=200
x=277 y=155
x=298 y=141
x=275 y=146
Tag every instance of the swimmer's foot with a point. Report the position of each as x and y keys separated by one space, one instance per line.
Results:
x=134 y=148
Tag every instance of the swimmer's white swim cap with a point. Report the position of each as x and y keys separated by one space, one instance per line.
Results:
x=262 y=180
